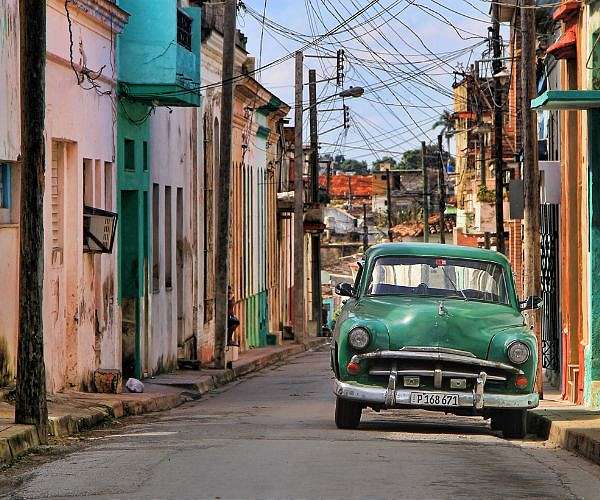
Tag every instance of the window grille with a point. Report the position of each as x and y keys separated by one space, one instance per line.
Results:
x=184 y=30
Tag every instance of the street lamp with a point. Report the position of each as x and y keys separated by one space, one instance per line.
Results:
x=351 y=92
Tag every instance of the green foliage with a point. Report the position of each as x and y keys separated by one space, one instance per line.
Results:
x=486 y=195
x=356 y=166
x=446 y=121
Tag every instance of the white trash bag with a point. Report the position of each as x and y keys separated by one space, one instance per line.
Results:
x=134 y=385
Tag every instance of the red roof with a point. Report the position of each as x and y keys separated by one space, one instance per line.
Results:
x=360 y=185
x=566 y=46
x=567 y=9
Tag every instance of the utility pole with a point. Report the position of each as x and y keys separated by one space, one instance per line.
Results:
x=299 y=327
x=222 y=236
x=442 y=186
x=30 y=406
x=389 y=205
x=365 y=229
x=425 y=193
x=315 y=239
x=498 y=117
x=349 y=194
x=531 y=176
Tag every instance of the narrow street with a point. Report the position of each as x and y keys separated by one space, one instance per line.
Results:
x=272 y=435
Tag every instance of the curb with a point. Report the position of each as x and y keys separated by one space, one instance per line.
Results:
x=567 y=434
x=85 y=414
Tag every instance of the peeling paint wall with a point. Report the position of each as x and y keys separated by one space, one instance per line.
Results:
x=171 y=155
x=9 y=218
x=9 y=80
x=81 y=319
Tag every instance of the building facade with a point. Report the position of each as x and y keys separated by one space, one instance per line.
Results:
x=81 y=315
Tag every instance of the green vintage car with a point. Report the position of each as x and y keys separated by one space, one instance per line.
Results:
x=435 y=327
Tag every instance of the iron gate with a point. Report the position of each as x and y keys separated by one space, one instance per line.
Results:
x=550 y=286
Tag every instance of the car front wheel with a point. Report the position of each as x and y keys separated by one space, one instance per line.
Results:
x=347 y=414
x=514 y=424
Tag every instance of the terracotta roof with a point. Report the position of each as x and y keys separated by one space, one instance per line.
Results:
x=361 y=185
x=415 y=228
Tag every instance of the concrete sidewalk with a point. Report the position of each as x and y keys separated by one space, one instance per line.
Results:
x=73 y=412
x=568 y=426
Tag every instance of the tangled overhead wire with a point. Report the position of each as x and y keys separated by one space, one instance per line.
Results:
x=87 y=78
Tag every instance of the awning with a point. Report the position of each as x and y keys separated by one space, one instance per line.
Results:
x=567 y=99
x=566 y=46
x=566 y=9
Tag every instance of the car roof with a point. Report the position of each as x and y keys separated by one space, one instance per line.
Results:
x=436 y=250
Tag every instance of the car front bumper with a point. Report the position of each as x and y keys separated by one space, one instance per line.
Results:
x=380 y=396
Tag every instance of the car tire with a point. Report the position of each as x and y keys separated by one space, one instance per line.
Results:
x=514 y=424
x=347 y=414
x=496 y=421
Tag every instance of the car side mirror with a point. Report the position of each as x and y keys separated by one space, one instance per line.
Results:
x=344 y=289
x=532 y=302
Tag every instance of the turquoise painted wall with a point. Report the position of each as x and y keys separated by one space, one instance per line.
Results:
x=132 y=199
x=592 y=352
x=257 y=320
x=153 y=66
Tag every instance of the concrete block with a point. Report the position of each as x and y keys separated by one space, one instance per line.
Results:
x=232 y=353
x=108 y=381
x=20 y=438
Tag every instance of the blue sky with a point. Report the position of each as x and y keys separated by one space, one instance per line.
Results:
x=402 y=51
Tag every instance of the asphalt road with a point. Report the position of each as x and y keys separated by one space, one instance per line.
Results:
x=272 y=436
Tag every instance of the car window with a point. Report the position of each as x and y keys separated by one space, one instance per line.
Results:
x=439 y=277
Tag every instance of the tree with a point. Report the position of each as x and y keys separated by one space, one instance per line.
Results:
x=448 y=124
x=411 y=159
x=356 y=166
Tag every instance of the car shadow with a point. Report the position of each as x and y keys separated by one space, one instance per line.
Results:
x=426 y=427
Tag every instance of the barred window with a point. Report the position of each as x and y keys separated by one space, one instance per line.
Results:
x=184 y=30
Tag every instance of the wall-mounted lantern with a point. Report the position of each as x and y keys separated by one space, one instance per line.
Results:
x=99 y=229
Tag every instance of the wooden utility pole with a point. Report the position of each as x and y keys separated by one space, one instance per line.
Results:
x=442 y=187
x=223 y=187
x=531 y=177
x=30 y=406
x=389 y=205
x=425 y=193
x=365 y=229
x=315 y=239
x=299 y=326
x=349 y=194
x=498 y=117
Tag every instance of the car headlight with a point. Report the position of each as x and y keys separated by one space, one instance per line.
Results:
x=359 y=338
x=518 y=352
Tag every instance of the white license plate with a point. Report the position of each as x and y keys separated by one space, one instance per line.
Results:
x=433 y=399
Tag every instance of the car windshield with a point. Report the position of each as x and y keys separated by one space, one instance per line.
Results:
x=439 y=277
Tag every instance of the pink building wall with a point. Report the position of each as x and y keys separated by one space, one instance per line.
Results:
x=82 y=322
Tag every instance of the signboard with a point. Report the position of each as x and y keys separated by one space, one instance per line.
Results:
x=516 y=199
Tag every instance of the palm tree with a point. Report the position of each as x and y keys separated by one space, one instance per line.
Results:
x=447 y=122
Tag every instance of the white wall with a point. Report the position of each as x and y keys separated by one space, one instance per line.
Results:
x=171 y=166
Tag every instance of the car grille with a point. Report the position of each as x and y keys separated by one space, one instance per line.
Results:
x=436 y=366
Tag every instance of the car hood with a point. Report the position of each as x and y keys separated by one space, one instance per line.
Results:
x=431 y=322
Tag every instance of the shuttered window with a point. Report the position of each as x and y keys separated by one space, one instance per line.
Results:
x=5 y=185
